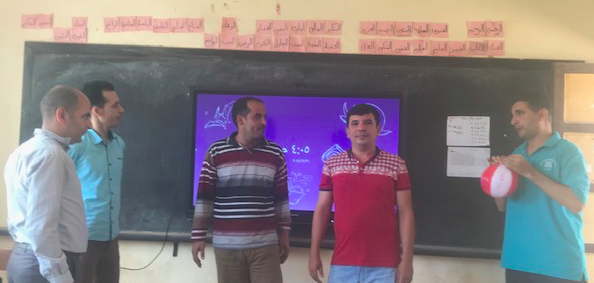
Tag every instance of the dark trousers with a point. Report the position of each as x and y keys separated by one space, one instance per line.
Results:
x=23 y=266
x=101 y=262
x=514 y=276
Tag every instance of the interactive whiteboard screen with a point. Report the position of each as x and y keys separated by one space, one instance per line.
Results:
x=309 y=129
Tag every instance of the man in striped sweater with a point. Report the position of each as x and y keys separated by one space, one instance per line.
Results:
x=243 y=196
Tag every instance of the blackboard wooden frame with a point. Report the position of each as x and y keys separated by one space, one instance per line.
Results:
x=433 y=87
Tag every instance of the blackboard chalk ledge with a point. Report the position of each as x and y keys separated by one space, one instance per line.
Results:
x=326 y=244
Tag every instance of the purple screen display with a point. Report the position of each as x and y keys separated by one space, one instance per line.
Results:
x=309 y=129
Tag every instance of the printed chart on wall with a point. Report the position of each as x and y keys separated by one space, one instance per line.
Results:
x=309 y=130
x=464 y=135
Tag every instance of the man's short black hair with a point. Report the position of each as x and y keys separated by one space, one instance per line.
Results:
x=535 y=100
x=240 y=107
x=94 y=91
x=362 y=109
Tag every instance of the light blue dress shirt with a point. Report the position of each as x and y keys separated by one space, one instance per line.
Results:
x=45 y=208
x=99 y=167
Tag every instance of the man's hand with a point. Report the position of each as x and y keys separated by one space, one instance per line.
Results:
x=283 y=244
x=500 y=202
x=404 y=272
x=315 y=267
x=496 y=160
x=517 y=163
x=198 y=247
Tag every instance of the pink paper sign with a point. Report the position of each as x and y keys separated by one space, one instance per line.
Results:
x=29 y=21
x=494 y=29
x=314 y=44
x=315 y=27
x=228 y=25
x=161 y=26
x=280 y=27
x=475 y=29
x=78 y=34
x=111 y=24
x=403 y=28
x=144 y=23
x=422 y=29
x=211 y=40
x=245 y=42
x=420 y=47
x=458 y=48
x=62 y=34
x=296 y=43
x=298 y=27
x=332 y=45
x=195 y=24
x=439 y=30
x=37 y=21
x=264 y=26
x=440 y=48
x=477 y=48
x=367 y=46
x=45 y=20
x=384 y=46
x=495 y=48
x=228 y=40
x=402 y=47
x=178 y=24
x=368 y=28
x=385 y=28
x=79 y=22
x=333 y=27
x=281 y=42
x=127 y=23
x=263 y=42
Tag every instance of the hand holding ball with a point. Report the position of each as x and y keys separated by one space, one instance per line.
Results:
x=499 y=181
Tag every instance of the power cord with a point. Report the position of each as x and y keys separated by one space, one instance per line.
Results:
x=175 y=208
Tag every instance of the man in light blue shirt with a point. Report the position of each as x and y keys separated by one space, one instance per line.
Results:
x=99 y=159
x=45 y=208
x=543 y=224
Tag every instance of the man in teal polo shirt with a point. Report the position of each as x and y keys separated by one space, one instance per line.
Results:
x=543 y=222
x=99 y=159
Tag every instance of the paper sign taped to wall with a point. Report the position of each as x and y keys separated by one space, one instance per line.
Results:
x=467 y=162
x=468 y=130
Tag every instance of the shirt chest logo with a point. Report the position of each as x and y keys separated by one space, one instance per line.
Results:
x=548 y=164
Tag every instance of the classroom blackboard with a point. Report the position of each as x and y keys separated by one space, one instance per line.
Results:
x=453 y=215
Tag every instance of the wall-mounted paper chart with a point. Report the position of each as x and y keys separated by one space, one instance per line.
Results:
x=468 y=130
x=467 y=161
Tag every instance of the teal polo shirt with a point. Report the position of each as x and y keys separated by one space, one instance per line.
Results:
x=99 y=168
x=541 y=236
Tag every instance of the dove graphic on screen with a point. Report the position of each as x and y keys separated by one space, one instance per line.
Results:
x=221 y=118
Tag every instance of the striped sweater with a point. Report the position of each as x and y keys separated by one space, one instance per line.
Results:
x=242 y=195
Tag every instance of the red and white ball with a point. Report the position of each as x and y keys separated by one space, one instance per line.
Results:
x=499 y=181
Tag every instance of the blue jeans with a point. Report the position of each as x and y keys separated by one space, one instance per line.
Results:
x=361 y=274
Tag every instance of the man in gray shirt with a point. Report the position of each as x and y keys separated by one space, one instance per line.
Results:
x=46 y=217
